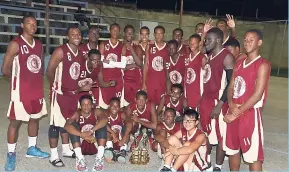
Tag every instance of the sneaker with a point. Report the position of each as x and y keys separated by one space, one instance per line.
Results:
x=69 y=154
x=81 y=164
x=165 y=169
x=34 y=151
x=121 y=156
x=108 y=154
x=216 y=169
x=10 y=161
x=98 y=164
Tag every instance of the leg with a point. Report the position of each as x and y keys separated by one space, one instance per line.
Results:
x=66 y=151
x=53 y=135
x=256 y=166
x=185 y=160
x=101 y=136
x=108 y=152
x=173 y=140
x=235 y=161
x=220 y=155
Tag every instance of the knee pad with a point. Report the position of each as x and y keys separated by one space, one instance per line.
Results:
x=53 y=132
x=62 y=130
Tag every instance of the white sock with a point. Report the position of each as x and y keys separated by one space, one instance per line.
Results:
x=173 y=170
x=100 y=152
x=168 y=166
x=66 y=148
x=109 y=144
x=78 y=153
x=124 y=147
x=209 y=158
x=54 y=154
x=32 y=141
x=219 y=166
x=11 y=147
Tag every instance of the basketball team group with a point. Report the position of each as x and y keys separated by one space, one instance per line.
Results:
x=185 y=96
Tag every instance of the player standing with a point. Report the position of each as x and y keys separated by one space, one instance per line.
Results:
x=178 y=34
x=93 y=36
x=233 y=46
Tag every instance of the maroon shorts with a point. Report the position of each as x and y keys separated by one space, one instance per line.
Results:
x=155 y=91
x=130 y=90
x=68 y=104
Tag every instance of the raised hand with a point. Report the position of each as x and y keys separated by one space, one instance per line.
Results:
x=230 y=21
x=208 y=25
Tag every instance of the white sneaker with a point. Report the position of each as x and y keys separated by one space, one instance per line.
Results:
x=98 y=164
x=81 y=164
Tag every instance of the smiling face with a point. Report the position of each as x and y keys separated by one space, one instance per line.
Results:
x=128 y=34
x=86 y=106
x=190 y=122
x=194 y=44
x=159 y=35
x=252 y=42
x=144 y=35
x=169 y=117
x=177 y=35
x=74 y=36
x=114 y=107
x=114 y=32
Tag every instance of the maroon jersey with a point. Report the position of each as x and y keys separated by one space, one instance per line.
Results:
x=171 y=131
x=176 y=70
x=245 y=76
x=86 y=74
x=133 y=74
x=183 y=50
x=87 y=123
x=178 y=106
x=193 y=79
x=84 y=48
x=68 y=71
x=215 y=75
x=143 y=115
x=116 y=123
x=27 y=71
x=112 y=53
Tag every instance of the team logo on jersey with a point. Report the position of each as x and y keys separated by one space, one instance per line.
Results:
x=191 y=75
x=74 y=70
x=239 y=87
x=176 y=77
x=157 y=63
x=208 y=73
x=129 y=60
x=86 y=127
x=33 y=63
x=85 y=81
x=117 y=129
x=112 y=57
x=107 y=46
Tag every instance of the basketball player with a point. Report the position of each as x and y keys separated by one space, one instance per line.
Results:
x=23 y=64
x=63 y=72
x=194 y=63
x=224 y=26
x=113 y=63
x=176 y=64
x=218 y=72
x=188 y=147
x=233 y=46
x=85 y=123
x=199 y=29
x=132 y=72
x=93 y=36
x=155 y=67
x=247 y=94
x=144 y=39
x=178 y=36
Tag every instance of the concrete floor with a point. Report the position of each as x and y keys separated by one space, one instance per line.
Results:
x=275 y=118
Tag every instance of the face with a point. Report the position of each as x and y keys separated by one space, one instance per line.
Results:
x=172 y=48
x=144 y=35
x=234 y=50
x=169 y=117
x=211 y=41
x=189 y=123
x=114 y=107
x=141 y=101
x=29 y=26
x=175 y=94
x=159 y=35
x=251 y=42
x=93 y=35
x=114 y=32
x=199 y=29
x=74 y=36
x=94 y=60
x=86 y=106
x=129 y=34
x=177 y=35
x=194 y=44
x=222 y=26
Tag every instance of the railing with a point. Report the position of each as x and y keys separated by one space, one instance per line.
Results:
x=65 y=8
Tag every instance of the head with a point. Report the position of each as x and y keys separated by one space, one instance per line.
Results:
x=94 y=57
x=128 y=33
x=29 y=24
x=144 y=34
x=233 y=46
x=190 y=119
x=199 y=29
x=253 y=40
x=141 y=99
x=222 y=25
x=85 y=102
x=114 y=105
x=214 y=38
x=114 y=30
x=194 y=42
x=159 y=33
x=176 y=91
x=73 y=35
x=169 y=116
x=178 y=34
x=173 y=47
x=93 y=34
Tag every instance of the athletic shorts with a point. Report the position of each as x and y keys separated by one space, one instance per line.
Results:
x=130 y=90
x=155 y=92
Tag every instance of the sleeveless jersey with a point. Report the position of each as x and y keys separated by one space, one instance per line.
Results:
x=27 y=71
x=116 y=124
x=178 y=106
x=87 y=123
x=176 y=70
x=171 y=131
x=86 y=74
x=84 y=48
x=183 y=50
x=245 y=76
x=68 y=71
x=133 y=74
x=143 y=115
x=112 y=53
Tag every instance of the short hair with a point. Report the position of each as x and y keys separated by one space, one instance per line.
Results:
x=258 y=33
x=197 y=36
x=114 y=99
x=199 y=24
x=86 y=96
x=168 y=109
x=232 y=42
x=179 y=86
x=159 y=27
x=218 y=33
x=71 y=27
x=179 y=29
x=128 y=27
x=221 y=20
x=93 y=51
x=27 y=16
x=173 y=42
x=141 y=93
x=93 y=27
x=114 y=24
x=145 y=27
x=192 y=113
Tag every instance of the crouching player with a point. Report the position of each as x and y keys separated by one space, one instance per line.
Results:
x=82 y=127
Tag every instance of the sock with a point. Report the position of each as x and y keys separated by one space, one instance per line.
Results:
x=109 y=144
x=78 y=153
x=54 y=154
x=219 y=166
x=209 y=158
x=66 y=148
x=100 y=151
x=31 y=141
x=124 y=147
x=11 y=147
x=167 y=166
x=173 y=170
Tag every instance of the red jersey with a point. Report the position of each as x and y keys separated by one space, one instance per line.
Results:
x=215 y=75
x=116 y=123
x=245 y=76
x=171 y=131
x=178 y=106
x=85 y=73
x=84 y=48
x=143 y=115
x=87 y=123
x=176 y=70
x=27 y=71
x=68 y=70
x=183 y=50
x=133 y=74
x=193 y=79
x=112 y=53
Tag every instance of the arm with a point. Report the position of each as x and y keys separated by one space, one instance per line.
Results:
x=101 y=50
x=161 y=105
x=70 y=128
x=195 y=145
x=230 y=90
x=128 y=127
x=102 y=120
x=153 y=123
x=101 y=82
x=55 y=59
x=139 y=53
x=164 y=141
x=136 y=57
x=120 y=64
x=185 y=104
x=145 y=68
x=11 y=52
x=168 y=80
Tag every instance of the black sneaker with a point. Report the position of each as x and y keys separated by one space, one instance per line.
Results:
x=121 y=156
x=108 y=154
x=165 y=169
x=217 y=169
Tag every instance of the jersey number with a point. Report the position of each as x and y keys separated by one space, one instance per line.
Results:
x=154 y=50
x=83 y=74
x=118 y=94
x=24 y=49
x=69 y=56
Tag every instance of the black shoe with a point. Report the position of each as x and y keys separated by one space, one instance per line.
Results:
x=120 y=156
x=165 y=169
x=217 y=169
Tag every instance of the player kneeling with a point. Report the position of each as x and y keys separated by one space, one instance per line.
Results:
x=82 y=127
x=188 y=147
